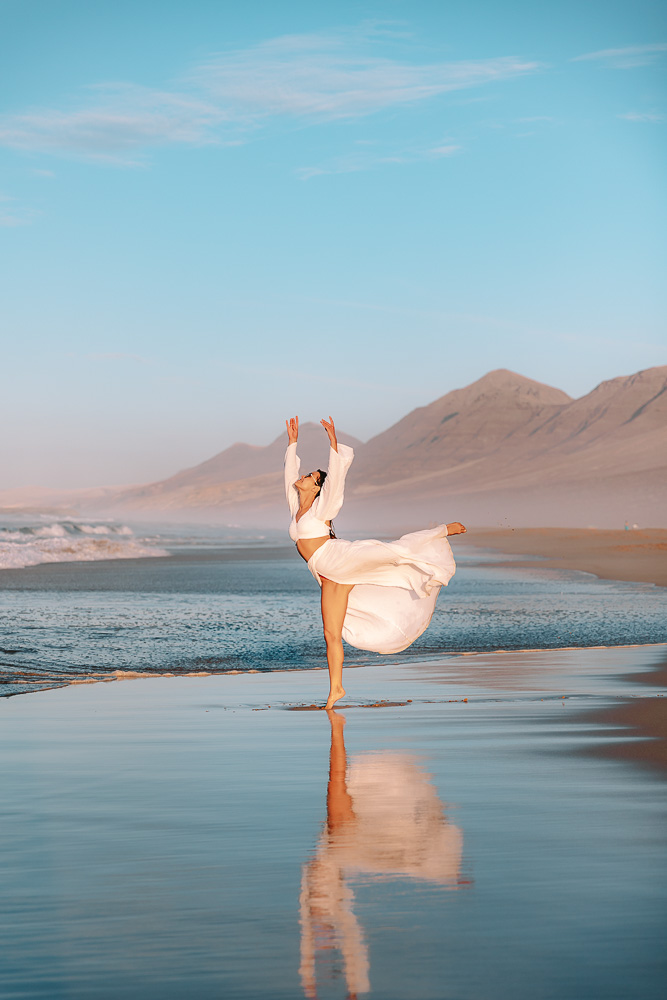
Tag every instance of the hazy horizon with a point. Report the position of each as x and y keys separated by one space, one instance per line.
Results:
x=313 y=423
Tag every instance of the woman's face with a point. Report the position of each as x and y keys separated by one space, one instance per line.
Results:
x=309 y=483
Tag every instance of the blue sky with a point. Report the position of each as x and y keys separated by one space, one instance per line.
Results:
x=214 y=215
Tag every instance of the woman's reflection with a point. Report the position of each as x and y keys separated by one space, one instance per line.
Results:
x=384 y=819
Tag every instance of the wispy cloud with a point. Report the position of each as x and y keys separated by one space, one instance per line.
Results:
x=10 y=220
x=336 y=75
x=642 y=116
x=118 y=356
x=310 y=78
x=367 y=158
x=13 y=214
x=116 y=121
x=436 y=152
x=628 y=57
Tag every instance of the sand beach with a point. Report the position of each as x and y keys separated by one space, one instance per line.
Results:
x=638 y=555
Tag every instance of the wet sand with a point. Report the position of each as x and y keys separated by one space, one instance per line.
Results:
x=636 y=555
x=461 y=836
x=643 y=719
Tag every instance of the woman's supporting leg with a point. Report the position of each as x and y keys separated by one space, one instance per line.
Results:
x=334 y=606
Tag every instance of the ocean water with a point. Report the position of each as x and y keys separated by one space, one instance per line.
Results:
x=86 y=600
x=47 y=539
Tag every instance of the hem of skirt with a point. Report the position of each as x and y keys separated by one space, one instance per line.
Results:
x=400 y=649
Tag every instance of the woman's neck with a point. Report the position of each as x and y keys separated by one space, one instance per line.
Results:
x=306 y=502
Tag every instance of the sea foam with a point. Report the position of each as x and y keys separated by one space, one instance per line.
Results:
x=59 y=541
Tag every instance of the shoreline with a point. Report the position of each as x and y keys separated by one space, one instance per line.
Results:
x=434 y=661
x=631 y=727
x=634 y=556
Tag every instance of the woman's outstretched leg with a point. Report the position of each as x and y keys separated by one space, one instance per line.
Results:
x=334 y=606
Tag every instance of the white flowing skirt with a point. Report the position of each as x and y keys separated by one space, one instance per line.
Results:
x=396 y=585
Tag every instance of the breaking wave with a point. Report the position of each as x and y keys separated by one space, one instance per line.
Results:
x=60 y=541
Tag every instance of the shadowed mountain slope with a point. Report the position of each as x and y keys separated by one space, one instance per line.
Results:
x=498 y=413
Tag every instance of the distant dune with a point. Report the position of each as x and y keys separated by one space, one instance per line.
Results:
x=504 y=451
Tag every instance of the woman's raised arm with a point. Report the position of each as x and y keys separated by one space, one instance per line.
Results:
x=331 y=432
x=292 y=429
x=292 y=465
x=330 y=499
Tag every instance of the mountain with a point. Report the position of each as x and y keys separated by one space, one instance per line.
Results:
x=497 y=413
x=241 y=473
x=515 y=452
x=243 y=461
x=504 y=450
x=621 y=424
x=511 y=430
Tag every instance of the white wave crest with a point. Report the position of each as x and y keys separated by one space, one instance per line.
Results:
x=70 y=541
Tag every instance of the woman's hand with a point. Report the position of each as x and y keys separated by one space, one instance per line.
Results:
x=456 y=528
x=292 y=429
x=331 y=432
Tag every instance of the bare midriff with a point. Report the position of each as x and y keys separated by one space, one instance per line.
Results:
x=306 y=547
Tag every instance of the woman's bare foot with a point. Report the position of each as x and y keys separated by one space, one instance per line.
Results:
x=334 y=695
x=456 y=528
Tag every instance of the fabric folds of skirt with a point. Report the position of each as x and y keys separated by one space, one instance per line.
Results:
x=396 y=585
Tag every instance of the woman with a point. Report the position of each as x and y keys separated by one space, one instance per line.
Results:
x=378 y=596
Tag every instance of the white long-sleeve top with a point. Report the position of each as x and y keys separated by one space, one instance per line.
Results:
x=313 y=524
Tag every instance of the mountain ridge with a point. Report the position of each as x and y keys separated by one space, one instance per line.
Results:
x=465 y=422
x=502 y=434
x=504 y=446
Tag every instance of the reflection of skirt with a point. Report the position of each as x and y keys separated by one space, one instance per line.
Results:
x=396 y=585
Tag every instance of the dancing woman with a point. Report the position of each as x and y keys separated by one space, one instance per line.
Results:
x=378 y=596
